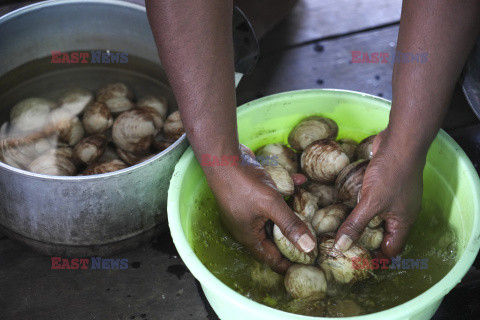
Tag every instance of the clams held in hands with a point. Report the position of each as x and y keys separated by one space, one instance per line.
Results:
x=349 y=182
x=289 y=250
x=323 y=160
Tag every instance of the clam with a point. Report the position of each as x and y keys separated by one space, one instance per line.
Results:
x=349 y=147
x=53 y=164
x=108 y=155
x=117 y=105
x=312 y=129
x=113 y=90
x=18 y=154
x=340 y=266
x=157 y=118
x=263 y=276
x=304 y=203
x=323 y=160
x=282 y=179
x=375 y=222
x=303 y=281
x=133 y=131
x=349 y=182
x=31 y=114
x=66 y=152
x=128 y=157
x=279 y=153
x=372 y=238
x=173 y=127
x=75 y=100
x=364 y=148
x=99 y=168
x=66 y=125
x=90 y=149
x=97 y=118
x=329 y=218
x=323 y=192
x=289 y=250
x=159 y=104
x=161 y=143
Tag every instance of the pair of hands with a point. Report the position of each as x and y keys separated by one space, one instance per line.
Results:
x=247 y=197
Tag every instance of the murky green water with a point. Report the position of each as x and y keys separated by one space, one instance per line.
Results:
x=430 y=239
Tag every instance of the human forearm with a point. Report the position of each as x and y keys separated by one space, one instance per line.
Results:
x=446 y=30
x=195 y=45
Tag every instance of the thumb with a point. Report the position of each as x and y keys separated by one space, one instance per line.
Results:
x=244 y=149
x=377 y=141
x=353 y=227
x=395 y=237
x=292 y=227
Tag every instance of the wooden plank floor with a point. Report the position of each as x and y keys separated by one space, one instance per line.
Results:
x=311 y=48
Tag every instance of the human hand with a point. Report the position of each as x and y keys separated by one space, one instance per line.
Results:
x=392 y=189
x=248 y=198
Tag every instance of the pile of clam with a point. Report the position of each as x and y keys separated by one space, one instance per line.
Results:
x=83 y=133
x=335 y=171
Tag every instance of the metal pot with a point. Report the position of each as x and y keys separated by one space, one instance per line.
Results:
x=91 y=215
x=471 y=79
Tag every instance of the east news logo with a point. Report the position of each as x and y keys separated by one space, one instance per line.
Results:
x=96 y=56
x=59 y=263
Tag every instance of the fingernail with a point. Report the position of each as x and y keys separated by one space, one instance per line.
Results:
x=306 y=243
x=344 y=243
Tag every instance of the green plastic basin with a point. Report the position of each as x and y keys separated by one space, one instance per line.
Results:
x=450 y=180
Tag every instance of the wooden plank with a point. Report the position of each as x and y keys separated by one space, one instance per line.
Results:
x=313 y=19
x=325 y=64
x=156 y=285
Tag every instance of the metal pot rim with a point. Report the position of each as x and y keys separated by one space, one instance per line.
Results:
x=50 y=3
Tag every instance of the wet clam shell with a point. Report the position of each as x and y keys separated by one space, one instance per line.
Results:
x=312 y=129
x=323 y=160
x=97 y=118
x=173 y=127
x=159 y=104
x=349 y=183
x=106 y=167
x=375 y=222
x=90 y=149
x=279 y=153
x=330 y=218
x=349 y=147
x=75 y=100
x=133 y=131
x=31 y=114
x=282 y=179
x=372 y=238
x=364 y=149
x=304 y=203
x=53 y=164
x=338 y=265
x=303 y=281
x=323 y=192
x=289 y=250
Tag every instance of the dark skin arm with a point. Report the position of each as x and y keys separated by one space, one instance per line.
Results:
x=392 y=186
x=194 y=39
